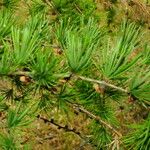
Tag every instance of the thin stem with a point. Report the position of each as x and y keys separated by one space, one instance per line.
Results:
x=103 y=83
x=66 y=128
x=78 y=9
x=97 y=118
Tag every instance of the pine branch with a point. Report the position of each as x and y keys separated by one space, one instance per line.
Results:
x=103 y=83
x=25 y=73
x=97 y=118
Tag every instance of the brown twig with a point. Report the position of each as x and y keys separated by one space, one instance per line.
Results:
x=66 y=128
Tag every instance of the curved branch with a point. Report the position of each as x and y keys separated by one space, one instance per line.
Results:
x=97 y=118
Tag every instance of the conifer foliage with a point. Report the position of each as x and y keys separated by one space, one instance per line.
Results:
x=62 y=64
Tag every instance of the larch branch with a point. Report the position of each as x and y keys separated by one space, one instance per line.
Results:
x=103 y=83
